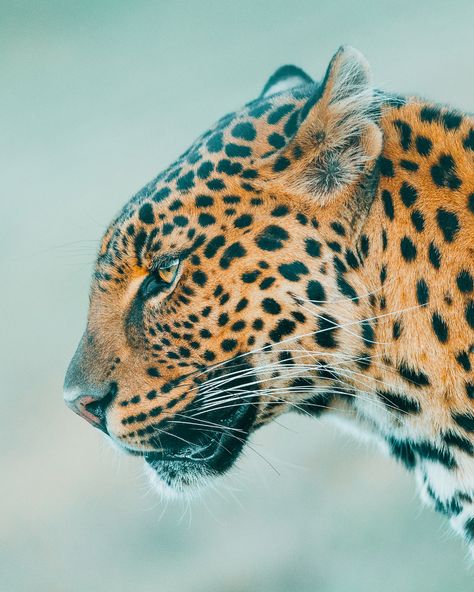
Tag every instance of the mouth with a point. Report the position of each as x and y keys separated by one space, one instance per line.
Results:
x=214 y=455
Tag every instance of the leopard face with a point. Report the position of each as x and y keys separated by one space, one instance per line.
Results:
x=209 y=308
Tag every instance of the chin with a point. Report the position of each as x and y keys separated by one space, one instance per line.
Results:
x=178 y=479
x=188 y=473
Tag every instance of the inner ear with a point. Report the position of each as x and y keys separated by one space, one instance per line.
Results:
x=338 y=136
x=284 y=79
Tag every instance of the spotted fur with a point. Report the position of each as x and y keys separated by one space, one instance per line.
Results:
x=325 y=239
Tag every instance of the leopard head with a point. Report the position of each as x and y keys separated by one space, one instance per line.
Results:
x=218 y=300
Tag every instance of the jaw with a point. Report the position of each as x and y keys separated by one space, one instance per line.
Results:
x=193 y=469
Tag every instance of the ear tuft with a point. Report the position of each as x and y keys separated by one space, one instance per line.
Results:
x=284 y=79
x=338 y=136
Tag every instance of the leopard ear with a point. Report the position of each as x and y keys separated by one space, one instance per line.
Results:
x=284 y=79
x=337 y=138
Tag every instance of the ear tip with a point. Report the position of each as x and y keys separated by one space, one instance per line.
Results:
x=351 y=54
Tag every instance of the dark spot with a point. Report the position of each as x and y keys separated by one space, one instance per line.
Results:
x=284 y=327
x=293 y=271
x=327 y=328
x=266 y=283
x=205 y=169
x=161 y=194
x=396 y=330
x=451 y=120
x=418 y=220
x=271 y=238
x=429 y=451
x=231 y=199
x=388 y=204
x=453 y=439
x=238 y=326
x=364 y=245
x=234 y=251
x=444 y=173
x=279 y=113
x=409 y=165
x=215 y=143
x=271 y=306
x=281 y=164
x=405 y=133
x=386 y=167
x=465 y=421
x=245 y=130
x=470 y=313
x=415 y=377
x=470 y=389
x=434 y=256
x=243 y=221
x=241 y=304
x=251 y=276
x=462 y=358
x=213 y=246
x=276 y=140
x=315 y=291
x=215 y=184
x=468 y=142
x=368 y=333
x=206 y=220
x=228 y=167
x=430 y=114
x=313 y=247
x=146 y=214
x=398 y=402
x=334 y=246
x=228 y=344
x=465 y=281
x=448 y=223
x=237 y=150
x=408 y=249
x=280 y=211
x=422 y=292
x=346 y=289
x=186 y=182
x=423 y=145
x=403 y=452
x=199 y=277
x=351 y=259
x=440 y=327
x=408 y=194
x=338 y=228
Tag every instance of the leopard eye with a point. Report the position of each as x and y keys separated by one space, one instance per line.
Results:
x=168 y=271
x=160 y=279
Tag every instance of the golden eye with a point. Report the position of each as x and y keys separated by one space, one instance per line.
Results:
x=168 y=271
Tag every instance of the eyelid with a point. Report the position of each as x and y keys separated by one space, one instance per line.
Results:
x=165 y=262
x=169 y=263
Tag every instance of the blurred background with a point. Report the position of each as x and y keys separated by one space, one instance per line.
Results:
x=96 y=97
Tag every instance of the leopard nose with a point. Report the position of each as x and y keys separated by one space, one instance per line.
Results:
x=85 y=396
x=91 y=403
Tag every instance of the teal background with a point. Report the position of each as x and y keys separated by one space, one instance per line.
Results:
x=95 y=98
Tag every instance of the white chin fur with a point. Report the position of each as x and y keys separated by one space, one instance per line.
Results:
x=178 y=490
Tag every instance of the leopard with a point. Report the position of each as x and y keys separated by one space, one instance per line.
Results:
x=313 y=252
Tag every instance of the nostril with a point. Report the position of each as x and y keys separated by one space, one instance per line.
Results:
x=94 y=408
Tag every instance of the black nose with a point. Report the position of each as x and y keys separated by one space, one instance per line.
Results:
x=86 y=396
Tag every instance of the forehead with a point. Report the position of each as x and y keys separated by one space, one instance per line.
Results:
x=222 y=162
